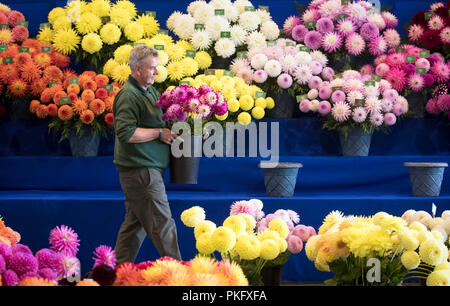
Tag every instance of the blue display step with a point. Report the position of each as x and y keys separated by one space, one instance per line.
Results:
x=297 y=137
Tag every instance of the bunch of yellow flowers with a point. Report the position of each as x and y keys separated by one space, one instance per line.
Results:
x=245 y=102
x=175 y=59
x=96 y=26
x=380 y=236
x=236 y=239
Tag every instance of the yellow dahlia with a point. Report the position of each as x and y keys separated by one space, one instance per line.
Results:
x=233 y=105
x=443 y=266
x=190 y=66
x=280 y=227
x=5 y=37
x=236 y=223
x=163 y=58
x=248 y=247
x=162 y=74
x=246 y=102
x=311 y=249
x=109 y=67
x=269 y=234
x=175 y=52
x=122 y=54
x=408 y=241
x=66 y=41
x=270 y=103
x=223 y=239
x=261 y=102
x=203 y=227
x=62 y=22
x=269 y=249
x=149 y=24
x=250 y=222
x=121 y=73
x=204 y=245
x=134 y=31
x=202 y=265
x=282 y=243
x=258 y=112
x=185 y=45
x=127 y=6
x=439 y=278
x=410 y=260
x=110 y=33
x=167 y=39
x=45 y=36
x=120 y=17
x=330 y=220
x=244 y=118
x=229 y=92
x=91 y=43
x=367 y=240
x=55 y=13
x=193 y=216
x=175 y=71
x=431 y=252
x=89 y=23
x=100 y=7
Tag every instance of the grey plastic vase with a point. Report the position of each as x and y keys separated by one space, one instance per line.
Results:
x=84 y=146
x=355 y=143
x=426 y=178
x=280 y=178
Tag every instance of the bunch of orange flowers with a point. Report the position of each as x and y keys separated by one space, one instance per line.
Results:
x=8 y=235
x=14 y=27
x=76 y=100
x=27 y=69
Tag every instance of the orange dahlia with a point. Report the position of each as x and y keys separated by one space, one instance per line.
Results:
x=73 y=97
x=109 y=118
x=87 y=282
x=87 y=116
x=42 y=59
x=22 y=59
x=90 y=85
x=88 y=95
x=101 y=93
x=42 y=111
x=73 y=88
x=33 y=44
x=11 y=235
x=53 y=74
x=58 y=96
x=30 y=72
x=34 y=281
x=90 y=74
x=65 y=112
x=52 y=110
x=5 y=241
x=20 y=33
x=12 y=51
x=69 y=73
x=83 y=79
x=109 y=102
x=8 y=73
x=97 y=106
x=79 y=106
x=34 y=104
x=6 y=37
x=101 y=80
x=128 y=274
x=18 y=88
x=60 y=60
x=38 y=86
x=47 y=95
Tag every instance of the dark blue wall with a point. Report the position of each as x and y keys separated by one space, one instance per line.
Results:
x=36 y=11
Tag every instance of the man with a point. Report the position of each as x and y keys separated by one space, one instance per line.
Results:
x=141 y=154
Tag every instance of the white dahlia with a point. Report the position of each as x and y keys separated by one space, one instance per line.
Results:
x=318 y=56
x=225 y=47
x=238 y=35
x=270 y=30
x=250 y=21
x=256 y=39
x=231 y=13
x=216 y=24
x=303 y=58
x=170 y=23
x=201 y=40
x=302 y=74
x=184 y=26
x=258 y=61
x=273 y=68
x=203 y=12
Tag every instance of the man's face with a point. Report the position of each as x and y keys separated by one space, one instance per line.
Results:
x=147 y=71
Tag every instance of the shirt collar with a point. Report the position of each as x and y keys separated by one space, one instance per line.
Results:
x=136 y=84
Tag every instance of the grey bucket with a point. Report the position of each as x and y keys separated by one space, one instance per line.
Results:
x=355 y=143
x=426 y=178
x=280 y=178
x=84 y=146
x=184 y=169
x=285 y=105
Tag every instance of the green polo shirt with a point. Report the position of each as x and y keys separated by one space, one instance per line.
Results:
x=134 y=107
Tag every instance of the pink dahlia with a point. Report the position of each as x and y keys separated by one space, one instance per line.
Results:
x=392 y=38
x=443 y=103
x=2 y=264
x=192 y=92
x=397 y=78
x=48 y=259
x=246 y=74
x=386 y=105
x=338 y=96
x=445 y=35
x=423 y=63
x=436 y=23
x=64 y=240
x=180 y=94
x=290 y=23
x=191 y=105
x=284 y=80
x=313 y=39
x=47 y=273
x=325 y=25
x=242 y=207
x=104 y=255
x=432 y=107
x=409 y=68
x=301 y=231
x=324 y=107
x=390 y=94
x=390 y=119
x=22 y=263
x=376 y=119
x=380 y=59
x=304 y=106
x=355 y=44
x=341 y=111
x=416 y=82
x=299 y=32
x=428 y=79
x=5 y=251
x=331 y=42
x=369 y=31
x=14 y=17
x=367 y=70
x=204 y=89
x=395 y=60
x=204 y=110
x=70 y=266
x=390 y=19
x=295 y=244
x=20 y=33
x=220 y=109
x=378 y=46
x=325 y=92
x=346 y=27
x=315 y=82
x=440 y=72
x=382 y=69
x=21 y=248
x=10 y=278
x=260 y=76
x=415 y=32
x=327 y=73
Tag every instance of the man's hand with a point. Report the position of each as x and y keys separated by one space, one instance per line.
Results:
x=167 y=136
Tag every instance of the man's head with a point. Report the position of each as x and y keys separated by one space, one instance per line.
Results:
x=143 y=63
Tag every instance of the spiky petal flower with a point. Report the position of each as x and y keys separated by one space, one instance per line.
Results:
x=104 y=255
x=64 y=240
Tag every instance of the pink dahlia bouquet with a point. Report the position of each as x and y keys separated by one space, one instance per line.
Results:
x=354 y=100
x=440 y=101
x=283 y=65
x=431 y=28
x=185 y=103
x=344 y=28
x=411 y=69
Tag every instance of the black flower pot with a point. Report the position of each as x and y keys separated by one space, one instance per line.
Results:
x=85 y=145
x=271 y=275
x=184 y=169
x=285 y=105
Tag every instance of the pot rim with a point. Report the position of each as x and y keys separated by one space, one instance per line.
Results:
x=426 y=164
x=279 y=165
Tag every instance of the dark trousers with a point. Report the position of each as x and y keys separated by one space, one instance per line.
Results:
x=147 y=214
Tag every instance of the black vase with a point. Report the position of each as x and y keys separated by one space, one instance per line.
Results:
x=85 y=145
x=285 y=105
x=416 y=104
x=184 y=169
x=271 y=276
x=19 y=109
x=219 y=62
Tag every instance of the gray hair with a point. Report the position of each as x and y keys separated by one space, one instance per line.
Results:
x=139 y=53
